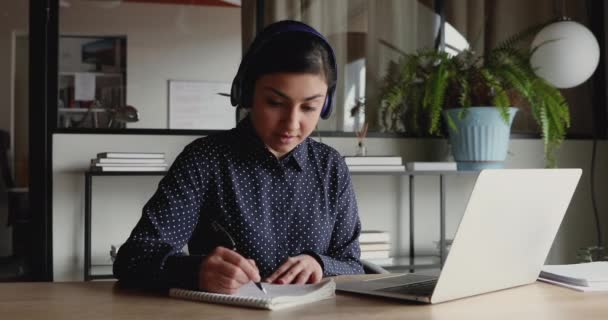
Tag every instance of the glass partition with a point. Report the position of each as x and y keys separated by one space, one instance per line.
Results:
x=159 y=64
x=366 y=35
x=19 y=244
x=152 y=64
x=147 y=64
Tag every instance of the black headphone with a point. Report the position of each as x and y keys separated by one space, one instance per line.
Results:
x=238 y=93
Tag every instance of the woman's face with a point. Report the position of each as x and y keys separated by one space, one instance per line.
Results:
x=286 y=109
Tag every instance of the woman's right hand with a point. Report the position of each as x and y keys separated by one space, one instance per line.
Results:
x=225 y=271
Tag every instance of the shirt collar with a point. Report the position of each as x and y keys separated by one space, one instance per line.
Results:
x=253 y=143
x=300 y=154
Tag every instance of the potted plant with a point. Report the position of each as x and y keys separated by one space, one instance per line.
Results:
x=422 y=88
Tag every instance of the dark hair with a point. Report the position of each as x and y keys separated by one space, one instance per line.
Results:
x=297 y=52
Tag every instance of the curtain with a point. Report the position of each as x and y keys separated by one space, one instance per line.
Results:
x=365 y=36
x=327 y=17
x=486 y=23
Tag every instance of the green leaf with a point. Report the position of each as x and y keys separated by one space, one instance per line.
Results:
x=417 y=85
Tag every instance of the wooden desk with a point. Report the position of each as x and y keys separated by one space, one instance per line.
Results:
x=104 y=300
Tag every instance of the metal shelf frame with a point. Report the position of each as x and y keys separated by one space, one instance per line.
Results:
x=88 y=275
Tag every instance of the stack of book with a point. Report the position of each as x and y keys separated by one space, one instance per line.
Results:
x=431 y=166
x=591 y=276
x=375 y=247
x=128 y=161
x=374 y=163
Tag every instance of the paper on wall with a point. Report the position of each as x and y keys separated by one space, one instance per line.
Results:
x=200 y=105
x=84 y=86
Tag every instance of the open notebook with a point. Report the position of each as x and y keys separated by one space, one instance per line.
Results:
x=277 y=297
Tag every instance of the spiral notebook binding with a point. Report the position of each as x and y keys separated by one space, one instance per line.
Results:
x=220 y=298
x=320 y=291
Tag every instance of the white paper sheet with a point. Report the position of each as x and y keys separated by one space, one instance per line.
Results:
x=577 y=288
x=580 y=274
x=84 y=86
x=197 y=105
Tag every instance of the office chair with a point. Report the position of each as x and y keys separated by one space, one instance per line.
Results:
x=14 y=267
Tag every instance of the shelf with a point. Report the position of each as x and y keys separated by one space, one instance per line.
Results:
x=357 y=173
x=414 y=173
x=426 y=263
x=421 y=261
x=126 y=173
x=378 y=173
x=81 y=110
x=99 y=74
x=101 y=272
x=401 y=264
x=444 y=173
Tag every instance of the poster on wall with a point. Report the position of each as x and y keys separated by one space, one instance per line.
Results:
x=200 y=105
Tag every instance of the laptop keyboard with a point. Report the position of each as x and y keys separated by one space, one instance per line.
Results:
x=424 y=288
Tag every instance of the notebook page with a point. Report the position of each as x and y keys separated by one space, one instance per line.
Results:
x=278 y=297
x=277 y=290
x=575 y=287
x=582 y=272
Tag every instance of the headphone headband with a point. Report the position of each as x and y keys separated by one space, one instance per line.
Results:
x=269 y=33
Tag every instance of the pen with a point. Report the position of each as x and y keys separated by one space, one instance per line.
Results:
x=228 y=241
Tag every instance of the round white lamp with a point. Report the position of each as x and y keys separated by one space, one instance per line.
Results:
x=568 y=54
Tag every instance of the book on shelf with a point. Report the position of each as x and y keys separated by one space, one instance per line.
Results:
x=132 y=165
x=94 y=163
x=376 y=168
x=129 y=169
x=374 y=246
x=277 y=296
x=123 y=155
x=591 y=276
x=378 y=254
x=383 y=262
x=373 y=160
x=431 y=166
x=129 y=160
x=373 y=236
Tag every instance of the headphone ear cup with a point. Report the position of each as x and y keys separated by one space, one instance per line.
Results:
x=235 y=91
x=246 y=96
x=329 y=103
x=240 y=93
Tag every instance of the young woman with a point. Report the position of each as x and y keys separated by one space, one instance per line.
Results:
x=284 y=201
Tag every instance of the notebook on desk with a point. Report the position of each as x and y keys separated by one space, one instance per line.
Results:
x=503 y=239
x=277 y=296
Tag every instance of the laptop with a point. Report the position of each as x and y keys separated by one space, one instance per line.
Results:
x=503 y=239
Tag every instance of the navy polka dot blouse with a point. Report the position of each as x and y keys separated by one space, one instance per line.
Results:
x=273 y=208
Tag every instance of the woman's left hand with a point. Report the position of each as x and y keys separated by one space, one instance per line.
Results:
x=297 y=270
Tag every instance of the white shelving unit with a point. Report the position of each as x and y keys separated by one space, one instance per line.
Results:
x=408 y=263
x=109 y=91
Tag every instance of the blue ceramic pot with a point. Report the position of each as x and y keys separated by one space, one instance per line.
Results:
x=481 y=140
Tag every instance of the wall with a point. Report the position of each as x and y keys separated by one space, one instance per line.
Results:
x=13 y=20
x=163 y=42
x=118 y=201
